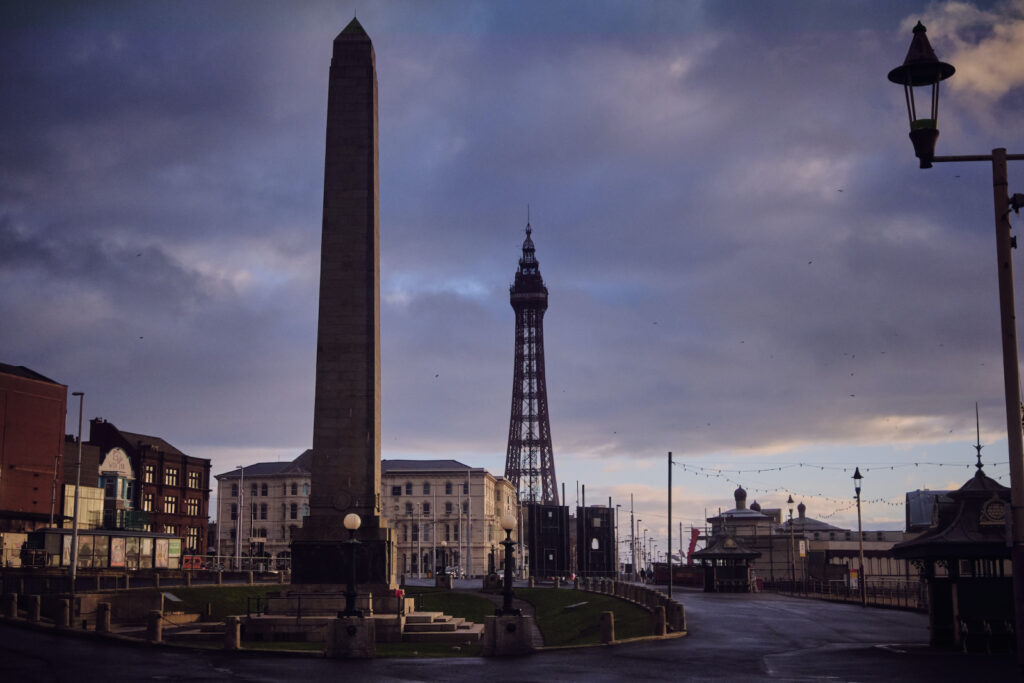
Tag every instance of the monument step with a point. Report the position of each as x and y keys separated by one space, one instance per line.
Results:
x=422 y=617
x=472 y=633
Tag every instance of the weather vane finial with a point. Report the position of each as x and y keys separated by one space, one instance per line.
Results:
x=977 y=427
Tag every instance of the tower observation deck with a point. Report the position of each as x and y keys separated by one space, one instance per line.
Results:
x=529 y=462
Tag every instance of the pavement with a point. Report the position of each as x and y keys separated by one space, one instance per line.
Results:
x=732 y=637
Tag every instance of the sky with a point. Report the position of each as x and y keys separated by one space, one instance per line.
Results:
x=745 y=265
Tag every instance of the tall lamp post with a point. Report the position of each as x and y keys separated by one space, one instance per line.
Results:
x=508 y=523
x=792 y=548
x=238 y=518
x=860 y=540
x=351 y=522
x=922 y=69
x=78 y=488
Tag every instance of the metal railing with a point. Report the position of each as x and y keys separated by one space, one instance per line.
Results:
x=881 y=592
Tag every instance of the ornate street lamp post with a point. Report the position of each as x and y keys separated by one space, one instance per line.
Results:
x=860 y=540
x=508 y=523
x=351 y=522
x=444 y=558
x=922 y=69
x=792 y=548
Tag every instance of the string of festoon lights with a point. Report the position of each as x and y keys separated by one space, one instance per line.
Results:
x=842 y=504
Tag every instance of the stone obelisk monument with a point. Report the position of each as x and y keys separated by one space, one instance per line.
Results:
x=346 y=422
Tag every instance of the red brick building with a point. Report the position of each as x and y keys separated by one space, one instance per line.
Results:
x=32 y=412
x=172 y=488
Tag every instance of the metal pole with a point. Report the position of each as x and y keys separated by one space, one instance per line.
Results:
x=632 y=538
x=860 y=542
x=469 y=524
x=1011 y=384
x=78 y=488
x=238 y=520
x=668 y=551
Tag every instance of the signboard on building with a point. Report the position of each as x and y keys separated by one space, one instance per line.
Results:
x=161 y=553
x=803 y=548
x=853 y=578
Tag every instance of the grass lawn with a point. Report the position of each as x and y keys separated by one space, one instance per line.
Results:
x=562 y=624
x=224 y=601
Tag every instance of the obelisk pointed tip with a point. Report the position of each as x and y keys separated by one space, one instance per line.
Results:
x=354 y=31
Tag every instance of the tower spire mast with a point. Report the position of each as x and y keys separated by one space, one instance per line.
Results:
x=529 y=460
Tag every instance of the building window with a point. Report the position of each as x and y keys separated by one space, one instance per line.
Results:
x=396 y=490
x=171 y=504
x=234 y=511
x=195 y=481
x=305 y=510
x=295 y=489
x=252 y=511
x=456 y=530
x=263 y=510
x=405 y=533
x=170 y=529
x=192 y=541
x=171 y=476
x=415 y=532
x=305 y=489
x=426 y=488
x=465 y=507
x=263 y=490
x=253 y=490
x=147 y=502
x=465 y=488
x=234 y=490
x=447 y=532
x=448 y=508
x=292 y=531
x=149 y=473
x=192 y=507
x=408 y=508
x=426 y=509
x=408 y=488
x=293 y=510
x=447 y=488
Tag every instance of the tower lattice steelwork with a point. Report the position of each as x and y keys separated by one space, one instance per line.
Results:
x=529 y=462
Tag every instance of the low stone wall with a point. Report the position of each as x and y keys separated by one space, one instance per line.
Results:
x=654 y=601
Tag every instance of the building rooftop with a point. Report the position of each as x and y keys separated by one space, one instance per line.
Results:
x=388 y=466
x=154 y=442
x=25 y=373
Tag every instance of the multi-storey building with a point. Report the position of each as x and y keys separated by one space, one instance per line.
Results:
x=442 y=513
x=262 y=506
x=171 y=488
x=32 y=410
x=445 y=514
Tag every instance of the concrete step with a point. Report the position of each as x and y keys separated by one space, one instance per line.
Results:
x=422 y=617
x=470 y=633
x=438 y=625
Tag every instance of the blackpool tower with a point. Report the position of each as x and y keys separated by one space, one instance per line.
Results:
x=529 y=462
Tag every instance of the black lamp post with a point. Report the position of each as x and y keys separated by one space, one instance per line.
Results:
x=922 y=68
x=444 y=558
x=508 y=523
x=351 y=523
x=792 y=548
x=860 y=540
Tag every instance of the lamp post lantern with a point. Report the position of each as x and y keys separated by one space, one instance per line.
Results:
x=922 y=70
x=860 y=541
x=444 y=558
x=792 y=547
x=508 y=523
x=351 y=522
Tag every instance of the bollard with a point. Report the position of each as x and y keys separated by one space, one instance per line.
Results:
x=188 y=579
x=35 y=608
x=155 y=627
x=220 y=577
x=576 y=583
x=103 y=617
x=250 y=577
x=156 y=579
x=532 y=583
x=280 y=578
x=558 y=582
x=233 y=633
x=11 y=605
x=63 y=619
x=607 y=627
x=99 y=582
x=658 y=620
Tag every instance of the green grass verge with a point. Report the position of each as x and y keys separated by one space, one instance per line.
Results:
x=224 y=601
x=562 y=625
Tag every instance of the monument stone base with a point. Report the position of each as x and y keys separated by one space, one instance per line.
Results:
x=321 y=556
x=352 y=638
x=508 y=635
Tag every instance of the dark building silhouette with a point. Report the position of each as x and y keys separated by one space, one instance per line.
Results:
x=529 y=461
x=595 y=540
x=547 y=537
x=345 y=467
